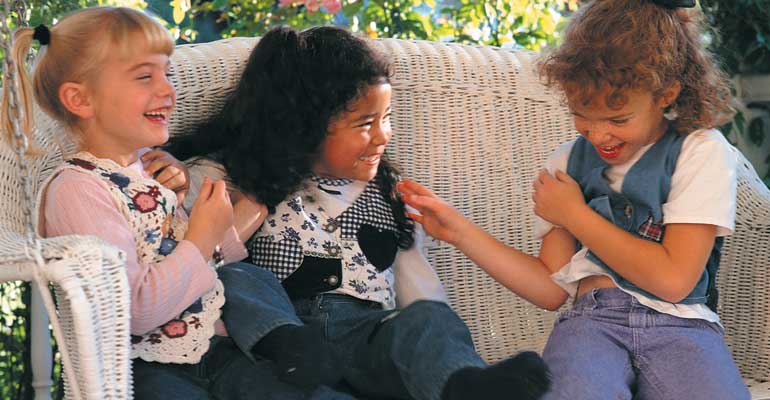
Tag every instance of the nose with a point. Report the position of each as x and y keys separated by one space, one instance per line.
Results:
x=165 y=88
x=596 y=131
x=381 y=133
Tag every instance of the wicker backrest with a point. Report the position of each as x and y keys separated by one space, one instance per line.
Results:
x=475 y=125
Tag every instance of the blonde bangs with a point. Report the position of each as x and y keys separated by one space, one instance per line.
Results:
x=131 y=31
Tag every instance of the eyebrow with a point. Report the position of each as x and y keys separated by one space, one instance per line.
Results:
x=147 y=64
x=369 y=116
x=619 y=116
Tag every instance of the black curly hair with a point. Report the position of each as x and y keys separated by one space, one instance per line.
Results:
x=269 y=133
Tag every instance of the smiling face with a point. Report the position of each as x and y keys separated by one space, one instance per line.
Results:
x=357 y=137
x=617 y=133
x=130 y=102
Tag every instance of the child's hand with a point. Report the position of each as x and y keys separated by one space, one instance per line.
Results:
x=211 y=216
x=556 y=198
x=168 y=171
x=439 y=219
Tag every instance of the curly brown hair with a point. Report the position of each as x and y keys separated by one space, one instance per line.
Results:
x=637 y=44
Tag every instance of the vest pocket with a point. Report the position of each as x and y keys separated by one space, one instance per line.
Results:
x=315 y=275
x=379 y=246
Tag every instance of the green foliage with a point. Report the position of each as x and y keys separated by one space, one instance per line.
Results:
x=15 y=377
x=531 y=24
x=742 y=33
x=526 y=23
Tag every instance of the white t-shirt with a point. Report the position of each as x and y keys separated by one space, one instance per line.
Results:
x=415 y=279
x=703 y=189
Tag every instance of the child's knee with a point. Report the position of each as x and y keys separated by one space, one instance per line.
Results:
x=431 y=316
x=243 y=273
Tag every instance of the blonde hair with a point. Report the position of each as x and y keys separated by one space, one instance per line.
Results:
x=79 y=46
x=637 y=44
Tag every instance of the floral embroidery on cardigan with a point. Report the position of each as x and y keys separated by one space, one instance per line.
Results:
x=150 y=210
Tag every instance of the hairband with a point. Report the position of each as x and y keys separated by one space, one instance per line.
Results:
x=42 y=34
x=675 y=3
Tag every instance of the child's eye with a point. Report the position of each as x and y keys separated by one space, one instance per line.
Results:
x=144 y=77
x=365 y=124
x=619 y=121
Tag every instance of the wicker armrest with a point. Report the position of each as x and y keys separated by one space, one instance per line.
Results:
x=92 y=308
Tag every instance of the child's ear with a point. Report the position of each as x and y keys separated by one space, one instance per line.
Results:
x=670 y=94
x=74 y=97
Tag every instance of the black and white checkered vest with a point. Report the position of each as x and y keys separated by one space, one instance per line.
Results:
x=313 y=253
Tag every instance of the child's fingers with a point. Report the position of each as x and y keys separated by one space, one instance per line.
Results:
x=153 y=154
x=409 y=186
x=425 y=204
x=220 y=190
x=156 y=165
x=562 y=177
x=415 y=217
x=169 y=175
x=206 y=188
x=543 y=176
x=174 y=182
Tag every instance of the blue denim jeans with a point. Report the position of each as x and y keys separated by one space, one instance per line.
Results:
x=405 y=354
x=255 y=304
x=609 y=346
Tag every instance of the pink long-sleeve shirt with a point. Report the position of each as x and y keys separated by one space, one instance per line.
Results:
x=77 y=203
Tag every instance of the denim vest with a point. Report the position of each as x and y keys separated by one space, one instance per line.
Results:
x=638 y=207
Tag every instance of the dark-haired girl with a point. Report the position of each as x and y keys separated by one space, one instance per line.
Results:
x=305 y=133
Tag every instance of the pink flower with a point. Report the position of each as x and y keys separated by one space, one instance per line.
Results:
x=144 y=202
x=175 y=328
x=332 y=6
x=312 y=5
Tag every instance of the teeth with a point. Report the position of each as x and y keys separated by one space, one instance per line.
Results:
x=156 y=113
x=370 y=158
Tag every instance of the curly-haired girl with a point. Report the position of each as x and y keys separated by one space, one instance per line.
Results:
x=632 y=213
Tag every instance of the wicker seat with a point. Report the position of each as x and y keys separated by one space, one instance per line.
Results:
x=474 y=124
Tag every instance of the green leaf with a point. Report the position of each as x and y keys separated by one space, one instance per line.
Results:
x=757 y=131
x=740 y=121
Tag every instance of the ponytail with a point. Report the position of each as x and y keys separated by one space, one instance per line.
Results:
x=22 y=42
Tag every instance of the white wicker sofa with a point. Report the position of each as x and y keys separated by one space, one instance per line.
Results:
x=472 y=123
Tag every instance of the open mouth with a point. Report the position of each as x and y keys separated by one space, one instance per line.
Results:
x=373 y=159
x=609 y=152
x=158 y=116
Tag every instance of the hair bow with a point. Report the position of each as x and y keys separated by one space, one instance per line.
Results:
x=675 y=3
x=42 y=34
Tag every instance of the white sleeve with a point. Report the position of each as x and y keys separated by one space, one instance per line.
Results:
x=556 y=161
x=198 y=170
x=414 y=278
x=703 y=185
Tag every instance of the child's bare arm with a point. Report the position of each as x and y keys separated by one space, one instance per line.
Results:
x=248 y=214
x=669 y=270
x=525 y=275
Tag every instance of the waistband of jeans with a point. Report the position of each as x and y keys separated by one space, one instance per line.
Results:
x=604 y=297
